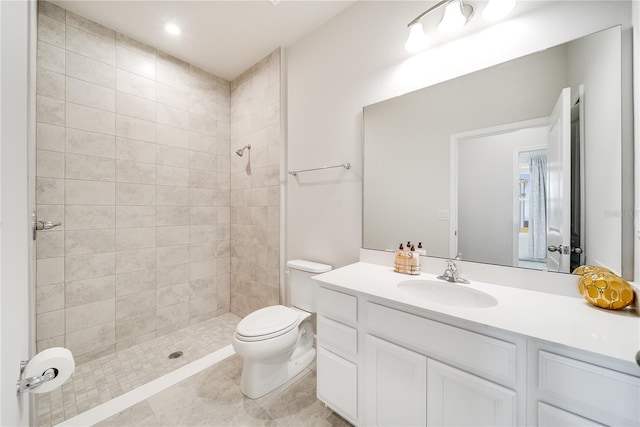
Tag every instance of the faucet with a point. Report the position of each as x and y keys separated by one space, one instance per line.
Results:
x=451 y=274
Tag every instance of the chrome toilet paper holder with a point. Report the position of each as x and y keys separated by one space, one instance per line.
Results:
x=30 y=383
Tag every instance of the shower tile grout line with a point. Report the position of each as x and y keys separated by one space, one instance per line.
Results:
x=145 y=391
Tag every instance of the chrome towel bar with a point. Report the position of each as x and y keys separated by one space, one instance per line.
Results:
x=342 y=165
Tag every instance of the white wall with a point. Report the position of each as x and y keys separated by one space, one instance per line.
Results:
x=357 y=59
x=17 y=32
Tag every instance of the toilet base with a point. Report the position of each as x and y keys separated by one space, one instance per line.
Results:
x=259 y=377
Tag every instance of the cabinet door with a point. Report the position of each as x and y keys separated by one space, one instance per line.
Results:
x=396 y=384
x=338 y=384
x=550 y=416
x=457 y=398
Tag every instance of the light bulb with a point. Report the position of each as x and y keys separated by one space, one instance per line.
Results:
x=496 y=9
x=417 y=41
x=453 y=18
x=173 y=29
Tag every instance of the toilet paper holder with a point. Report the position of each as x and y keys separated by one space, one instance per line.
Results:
x=30 y=383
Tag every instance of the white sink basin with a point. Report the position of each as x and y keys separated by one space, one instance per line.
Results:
x=446 y=293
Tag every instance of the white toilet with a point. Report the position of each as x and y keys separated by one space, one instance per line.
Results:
x=276 y=342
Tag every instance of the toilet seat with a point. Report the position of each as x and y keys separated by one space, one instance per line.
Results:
x=266 y=323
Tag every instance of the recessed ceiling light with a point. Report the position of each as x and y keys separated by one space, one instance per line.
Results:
x=173 y=29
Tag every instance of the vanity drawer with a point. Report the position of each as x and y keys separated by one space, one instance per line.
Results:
x=592 y=391
x=339 y=338
x=485 y=356
x=338 y=306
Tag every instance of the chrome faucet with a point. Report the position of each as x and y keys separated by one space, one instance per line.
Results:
x=451 y=274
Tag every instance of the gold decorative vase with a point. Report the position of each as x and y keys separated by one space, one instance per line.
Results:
x=588 y=269
x=606 y=290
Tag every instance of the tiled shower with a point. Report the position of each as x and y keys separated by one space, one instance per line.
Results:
x=163 y=226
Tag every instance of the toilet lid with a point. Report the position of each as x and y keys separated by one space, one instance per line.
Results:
x=267 y=321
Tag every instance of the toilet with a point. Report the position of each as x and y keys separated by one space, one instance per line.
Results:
x=276 y=342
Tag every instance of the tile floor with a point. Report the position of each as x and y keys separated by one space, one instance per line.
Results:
x=213 y=398
x=102 y=379
x=210 y=398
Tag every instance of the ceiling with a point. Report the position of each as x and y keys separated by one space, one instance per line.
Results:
x=224 y=38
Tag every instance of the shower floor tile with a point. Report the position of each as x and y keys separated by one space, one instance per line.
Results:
x=102 y=379
x=213 y=398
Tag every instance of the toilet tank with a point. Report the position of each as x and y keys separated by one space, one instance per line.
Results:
x=302 y=288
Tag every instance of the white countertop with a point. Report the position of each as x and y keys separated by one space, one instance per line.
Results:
x=559 y=319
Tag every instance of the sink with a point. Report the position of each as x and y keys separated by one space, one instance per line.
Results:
x=446 y=293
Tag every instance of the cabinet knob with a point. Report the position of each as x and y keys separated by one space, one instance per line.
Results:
x=638 y=357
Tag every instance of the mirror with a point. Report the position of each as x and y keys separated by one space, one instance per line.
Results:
x=473 y=167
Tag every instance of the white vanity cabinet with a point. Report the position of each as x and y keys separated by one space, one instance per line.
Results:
x=385 y=363
x=567 y=387
x=396 y=384
x=423 y=372
x=337 y=340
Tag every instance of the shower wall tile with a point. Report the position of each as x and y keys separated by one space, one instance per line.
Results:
x=89 y=315
x=137 y=151
x=87 y=217
x=49 y=191
x=134 y=62
x=49 y=83
x=49 y=271
x=78 y=267
x=84 y=242
x=135 y=46
x=50 y=57
x=135 y=106
x=89 y=26
x=135 y=216
x=89 y=168
x=173 y=97
x=89 y=143
x=50 y=324
x=133 y=157
x=51 y=31
x=89 y=119
x=254 y=215
x=90 y=45
x=80 y=192
x=90 y=70
x=90 y=94
x=135 y=281
x=92 y=339
x=49 y=164
x=135 y=194
x=50 y=110
x=49 y=298
x=49 y=137
x=52 y=11
x=132 y=128
x=87 y=291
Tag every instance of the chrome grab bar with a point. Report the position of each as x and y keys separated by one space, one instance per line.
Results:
x=342 y=165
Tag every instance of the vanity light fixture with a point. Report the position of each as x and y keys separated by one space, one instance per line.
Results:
x=173 y=29
x=456 y=15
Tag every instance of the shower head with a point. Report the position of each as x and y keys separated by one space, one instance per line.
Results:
x=240 y=152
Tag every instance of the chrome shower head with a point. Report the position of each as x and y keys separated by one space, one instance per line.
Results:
x=240 y=152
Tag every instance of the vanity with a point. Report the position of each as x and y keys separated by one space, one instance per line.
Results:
x=389 y=354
